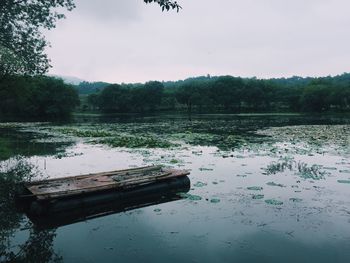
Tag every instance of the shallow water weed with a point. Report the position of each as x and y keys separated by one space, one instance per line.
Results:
x=280 y=166
x=314 y=172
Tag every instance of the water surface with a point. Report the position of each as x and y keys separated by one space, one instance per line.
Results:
x=264 y=188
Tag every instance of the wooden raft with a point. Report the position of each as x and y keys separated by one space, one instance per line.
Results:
x=90 y=183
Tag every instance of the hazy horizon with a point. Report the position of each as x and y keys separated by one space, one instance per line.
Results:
x=129 y=41
x=77 y=79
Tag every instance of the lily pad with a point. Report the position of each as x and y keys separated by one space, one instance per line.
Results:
x=255 y=188
x=296 y=200
x=214 y=200
x=258 y=197
x=344 y=181
x=191 y=197
x=273 y=202
x=274 y=184
x=199 y=184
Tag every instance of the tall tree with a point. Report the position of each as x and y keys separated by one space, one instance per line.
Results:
x=22 y=43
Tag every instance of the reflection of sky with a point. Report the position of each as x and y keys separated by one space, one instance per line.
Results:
x=237 y=228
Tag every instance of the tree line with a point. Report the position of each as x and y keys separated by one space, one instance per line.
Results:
x=225 y=94
x=36 y=97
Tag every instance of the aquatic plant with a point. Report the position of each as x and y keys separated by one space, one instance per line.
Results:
x=286 y=163
x=275 y=184
x=258 y=197
x=190 y=197
x=255 y=188
x=85 y=133
x=344 y=181
x=310 y=172
x=215 y=200
x=129 y=141
x=273 y=202
x=305 y=171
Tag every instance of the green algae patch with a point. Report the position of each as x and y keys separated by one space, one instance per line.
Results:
x=190 y=197
x=136 y=142
x=258 y=197
x=274 y=184
x=273 y=202
x=85 y=133
x=344 y=171
x=255 y=188
x=199 y=184
x=214 y=200
x=344 y=181
x=295 y=200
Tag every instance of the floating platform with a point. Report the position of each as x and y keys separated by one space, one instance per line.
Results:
x=117 y=188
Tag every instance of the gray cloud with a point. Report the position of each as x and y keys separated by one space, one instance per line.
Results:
x=107 y=11
x=128 y=41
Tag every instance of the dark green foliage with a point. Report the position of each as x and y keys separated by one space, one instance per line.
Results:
x=128 y=98
x=165 y=4
x=228 y=94
x=36 y=97
x=22 y=44
x=39 y=245
x=91 y=87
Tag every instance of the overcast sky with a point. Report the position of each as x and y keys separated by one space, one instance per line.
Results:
x=129 y=41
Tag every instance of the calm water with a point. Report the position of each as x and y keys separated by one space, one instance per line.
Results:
x=264 y=188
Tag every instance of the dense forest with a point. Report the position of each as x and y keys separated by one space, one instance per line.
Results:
x=36 y=97
x=47 y=97
x=221 y=94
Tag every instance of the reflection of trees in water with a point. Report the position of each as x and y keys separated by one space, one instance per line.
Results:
x=15 y=142
x=39 y=246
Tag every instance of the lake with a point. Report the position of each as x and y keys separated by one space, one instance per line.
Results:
x=264 y=188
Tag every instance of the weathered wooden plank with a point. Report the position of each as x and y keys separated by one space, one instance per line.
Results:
x=116 y=172
x=83 y=184
x=61 y=194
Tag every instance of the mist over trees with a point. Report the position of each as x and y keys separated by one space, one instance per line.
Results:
x=226 y=94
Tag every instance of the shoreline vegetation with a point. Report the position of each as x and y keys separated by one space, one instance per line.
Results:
x=50 y=98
